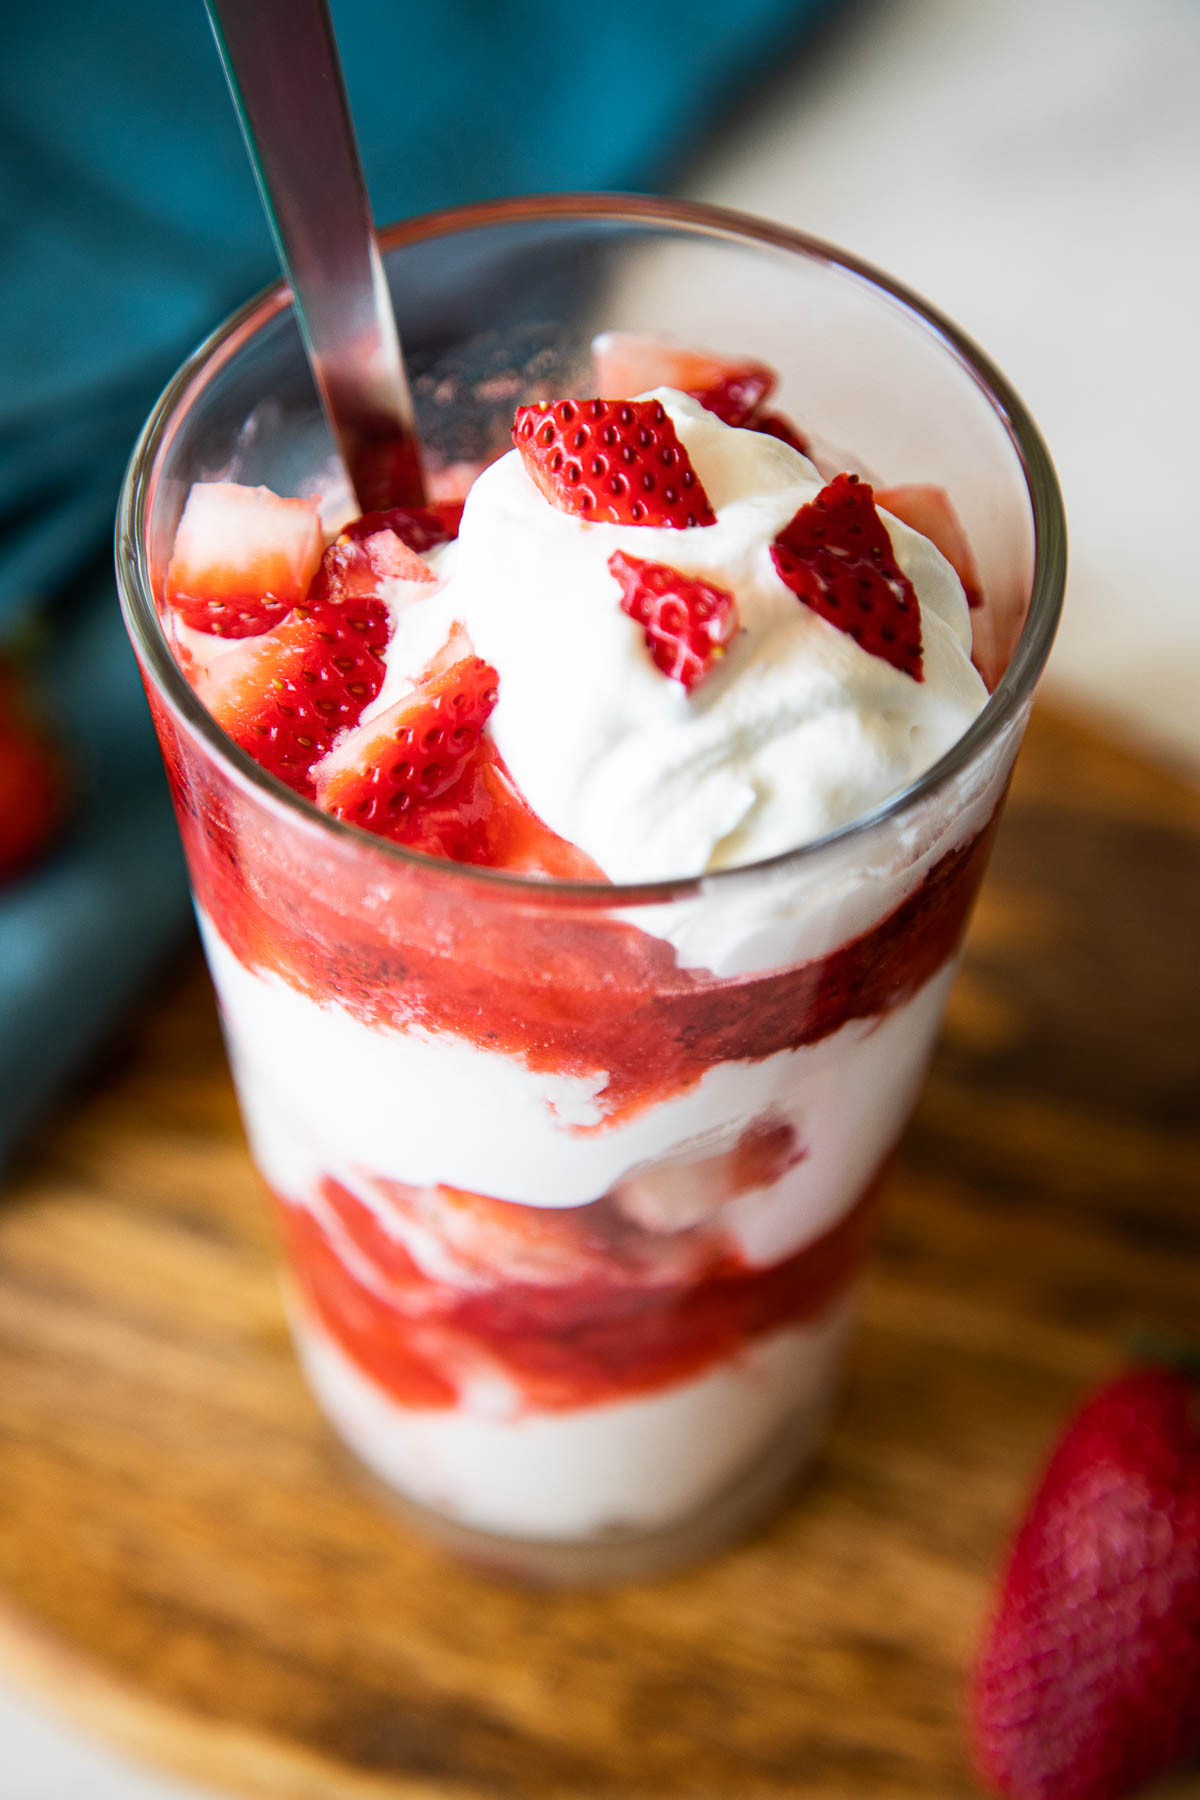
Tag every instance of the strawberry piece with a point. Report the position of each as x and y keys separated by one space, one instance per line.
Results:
x=492 y=1242
x=412 y=753
x=1088 y=1681
x=422 y=528
x=354 y=567
x=297 y=687
x=618 y=462
x=485 y=820
x=291 y=691
x=472 y=812
x=928 y=510
x=459 y=825
x=515 y=838
x=32 y=785
x=631 y=362
x=777 y=426
x=242 y=558
x=672 y=1196
x=688 y=623
x=836 y=556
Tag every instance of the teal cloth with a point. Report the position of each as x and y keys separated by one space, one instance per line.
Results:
x=129 y=224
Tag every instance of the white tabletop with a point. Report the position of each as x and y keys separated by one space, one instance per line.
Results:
x=1031 y=166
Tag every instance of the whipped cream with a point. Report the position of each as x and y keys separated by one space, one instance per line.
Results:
x=796 y=731
x=630 y=1466
x=323 y=1093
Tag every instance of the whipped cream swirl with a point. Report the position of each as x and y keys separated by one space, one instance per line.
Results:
x=796 y=731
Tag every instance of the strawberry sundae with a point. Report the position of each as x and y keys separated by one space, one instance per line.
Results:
x=577 y=1143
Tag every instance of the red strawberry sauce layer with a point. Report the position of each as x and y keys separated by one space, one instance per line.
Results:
x=560 y=986
x=600 y=1328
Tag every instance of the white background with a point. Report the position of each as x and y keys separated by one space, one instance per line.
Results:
x=1031 y=166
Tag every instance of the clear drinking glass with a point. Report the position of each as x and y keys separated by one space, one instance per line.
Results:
x=575 y=1180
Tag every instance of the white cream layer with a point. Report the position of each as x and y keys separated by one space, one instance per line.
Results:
x=631 y=1465
x=325 y=1094
x=796 y=732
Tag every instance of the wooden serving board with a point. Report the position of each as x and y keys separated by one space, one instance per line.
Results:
x=188 y=1563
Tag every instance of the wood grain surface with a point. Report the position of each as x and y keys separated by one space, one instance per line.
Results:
x=189 y=1564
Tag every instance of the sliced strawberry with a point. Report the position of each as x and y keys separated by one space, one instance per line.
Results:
x=836 y=556
x=485 y=820
x=631 y=362
x=32 y=783
x=928 y=510
x=358 y=561
x=422 y=528
x=617 y=462
x=476 y=814
x=492 y=1241
x=412 y=753
x=688 y=622
x=289 y=693
x=671 y=1196
x=243 y=557
x=777 y=426
x=514 y=837
x=574 y=1250
x=459 y=825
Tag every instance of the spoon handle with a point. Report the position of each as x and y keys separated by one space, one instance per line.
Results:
x=285 y=76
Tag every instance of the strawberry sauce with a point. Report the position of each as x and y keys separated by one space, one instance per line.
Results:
x=622 y=1313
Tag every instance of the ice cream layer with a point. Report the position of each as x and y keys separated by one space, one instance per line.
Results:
x=631 y=1466
x=325 y=1094
x=797 y=731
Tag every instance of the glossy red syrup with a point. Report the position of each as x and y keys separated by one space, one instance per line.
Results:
x=601 y=1312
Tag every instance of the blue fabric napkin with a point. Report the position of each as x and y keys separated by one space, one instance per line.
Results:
x=129 y=224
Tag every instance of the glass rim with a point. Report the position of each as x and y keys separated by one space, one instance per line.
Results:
x=1014 y=688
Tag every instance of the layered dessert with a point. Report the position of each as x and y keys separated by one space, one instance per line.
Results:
x=577 y=1117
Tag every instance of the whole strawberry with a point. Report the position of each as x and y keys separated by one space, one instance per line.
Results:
x=32 y=779
x=1088 y=1682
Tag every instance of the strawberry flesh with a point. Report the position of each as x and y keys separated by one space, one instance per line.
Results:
x=422 y=528
x=616 y=462
x=286 y=698
x=358 y=561
x=835 y=555
x=413 y=752
x=776 y=425
x=242 y=558
x=630 y=362
x=1088 y=1681
x=927 y=509
x=672 y=1195
x=453 y=797
x=688 y=623
x=484 y=819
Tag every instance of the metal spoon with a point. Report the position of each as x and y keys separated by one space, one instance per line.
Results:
x=283 y=69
